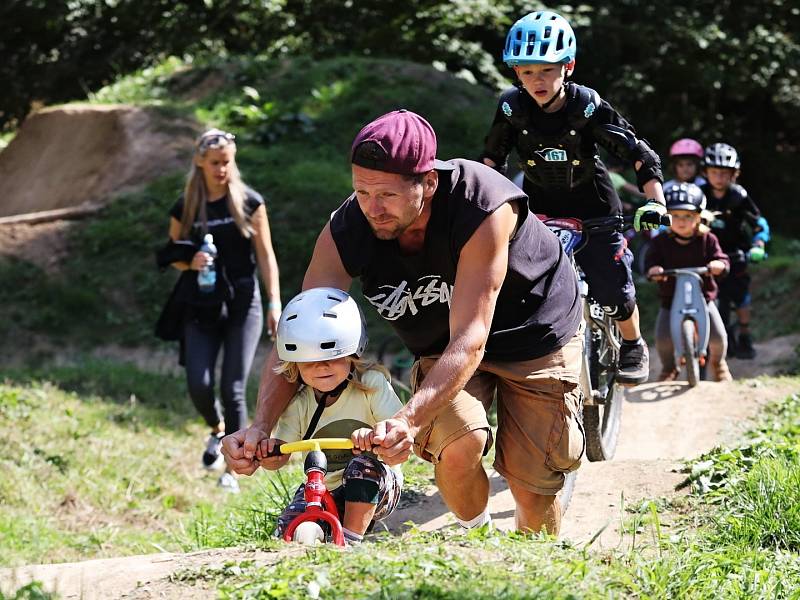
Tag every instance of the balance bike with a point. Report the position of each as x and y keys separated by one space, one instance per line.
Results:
x=320 y=505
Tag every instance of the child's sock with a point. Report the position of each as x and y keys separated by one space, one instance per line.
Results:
x=351 y=538
x=482 y=519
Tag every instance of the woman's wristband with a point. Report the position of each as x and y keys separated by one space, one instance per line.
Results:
x=274 y=305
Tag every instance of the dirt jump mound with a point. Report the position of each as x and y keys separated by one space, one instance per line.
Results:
x=72 y=155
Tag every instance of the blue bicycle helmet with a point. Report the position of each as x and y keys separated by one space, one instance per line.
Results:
x=541 y=37
x=685 y=196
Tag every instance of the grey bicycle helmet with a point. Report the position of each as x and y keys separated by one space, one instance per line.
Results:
x=320 y=324
x=685 y=196
x=721 y=155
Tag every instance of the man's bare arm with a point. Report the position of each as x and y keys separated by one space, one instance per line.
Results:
x=481 y=270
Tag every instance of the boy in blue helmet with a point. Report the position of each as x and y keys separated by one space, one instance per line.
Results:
x=743 y=234
x=555 y=127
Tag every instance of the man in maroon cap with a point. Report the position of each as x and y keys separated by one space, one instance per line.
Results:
x=481 y=292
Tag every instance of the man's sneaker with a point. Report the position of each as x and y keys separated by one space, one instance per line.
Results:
x=212 y=457
x=634 y=363
x=228 y=483
x=744 y=347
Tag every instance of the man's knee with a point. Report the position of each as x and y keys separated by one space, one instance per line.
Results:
x=465 y=452
x=623 y=311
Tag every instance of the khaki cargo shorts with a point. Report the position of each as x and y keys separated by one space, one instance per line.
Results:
x=539 y=434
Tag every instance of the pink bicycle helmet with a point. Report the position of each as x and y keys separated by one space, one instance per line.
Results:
x=686 y=147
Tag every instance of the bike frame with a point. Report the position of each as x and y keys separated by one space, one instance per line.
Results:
x=320 y=505
x=571 y=236
x=688 y=302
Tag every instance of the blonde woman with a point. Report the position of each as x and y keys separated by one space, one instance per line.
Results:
x=231 y=316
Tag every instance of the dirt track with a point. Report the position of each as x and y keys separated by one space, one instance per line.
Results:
x=118 y=147
x=662 y=424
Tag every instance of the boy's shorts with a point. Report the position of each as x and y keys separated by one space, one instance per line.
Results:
x=539 y=433
x=607 y=261
x=362 y=468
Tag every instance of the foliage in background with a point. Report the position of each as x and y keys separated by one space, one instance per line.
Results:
x=712 y=69
x=294 y=121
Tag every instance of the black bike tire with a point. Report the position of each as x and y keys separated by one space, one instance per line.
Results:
x=602 y=427
x=689 y=352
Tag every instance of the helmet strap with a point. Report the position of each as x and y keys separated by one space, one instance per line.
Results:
x=312 y=426
x=549 y=103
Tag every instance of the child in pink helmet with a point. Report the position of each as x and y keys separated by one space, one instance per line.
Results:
x=685 y=157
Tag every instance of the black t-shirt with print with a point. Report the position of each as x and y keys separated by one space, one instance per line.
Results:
x=538 y=307
x=234 y=251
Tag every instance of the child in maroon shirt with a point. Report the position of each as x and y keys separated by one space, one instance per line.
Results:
x=688 y=244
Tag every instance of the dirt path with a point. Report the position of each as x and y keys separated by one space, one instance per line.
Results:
x=662 y=425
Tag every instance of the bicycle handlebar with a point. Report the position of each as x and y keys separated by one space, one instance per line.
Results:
x=312 y=444
x=696 y=270
x=684 y=270
x=616 y=223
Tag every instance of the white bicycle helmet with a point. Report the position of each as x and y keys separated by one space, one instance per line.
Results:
x=320 y=324
x=721 y=155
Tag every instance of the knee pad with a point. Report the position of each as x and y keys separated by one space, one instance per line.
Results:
x=361 y=490
x=621 y=312
x=361 y=479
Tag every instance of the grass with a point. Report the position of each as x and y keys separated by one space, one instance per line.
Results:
x=112 y=469
x=101 y=459
x=736 y=538
x=31 y=591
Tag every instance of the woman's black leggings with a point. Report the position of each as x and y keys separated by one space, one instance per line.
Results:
x=237 y=333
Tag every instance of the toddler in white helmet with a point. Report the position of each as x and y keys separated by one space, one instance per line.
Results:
x=320 y=341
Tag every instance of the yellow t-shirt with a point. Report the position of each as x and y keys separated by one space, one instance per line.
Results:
x=353 y=410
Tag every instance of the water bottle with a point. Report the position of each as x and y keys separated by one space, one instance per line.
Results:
x=207 y=276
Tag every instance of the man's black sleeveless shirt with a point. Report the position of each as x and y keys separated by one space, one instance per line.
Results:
x=538 y=308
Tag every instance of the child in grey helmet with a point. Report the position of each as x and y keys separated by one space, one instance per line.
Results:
x=688 y=243
x=320 y=340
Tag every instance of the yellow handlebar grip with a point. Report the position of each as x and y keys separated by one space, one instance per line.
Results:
x=317 y=444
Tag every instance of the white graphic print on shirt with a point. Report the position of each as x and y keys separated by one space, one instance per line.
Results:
x=396 y=301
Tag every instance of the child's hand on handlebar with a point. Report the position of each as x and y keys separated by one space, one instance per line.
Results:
x=654 y=273
x=269 y=456
x=717 y=267
x=362 y=440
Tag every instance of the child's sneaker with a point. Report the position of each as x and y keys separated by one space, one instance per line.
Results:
x=228 y=483
x=731 y=346
x=669 y=375
x=212 y=456
x=721 y=372
x=744 y=347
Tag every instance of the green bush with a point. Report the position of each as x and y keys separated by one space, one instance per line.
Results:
x=294 y=121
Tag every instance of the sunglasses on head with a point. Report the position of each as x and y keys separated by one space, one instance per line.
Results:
x=215 y=139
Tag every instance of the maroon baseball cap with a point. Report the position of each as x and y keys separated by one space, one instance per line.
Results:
x=399 y=142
